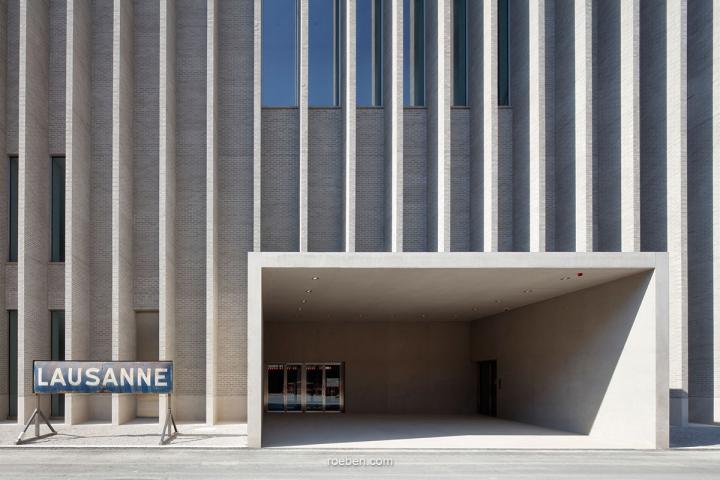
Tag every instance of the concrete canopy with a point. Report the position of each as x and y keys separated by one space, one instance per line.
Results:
x=466 y=287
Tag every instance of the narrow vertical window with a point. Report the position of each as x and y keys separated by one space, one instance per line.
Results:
x=13 y=211
x=57 y=352
x=503 y=52
x=57 y=230
x=369 y=53
x=279 y=53
x=414 y=52
x=12 y=364
x=324 y=53
x=460 y=52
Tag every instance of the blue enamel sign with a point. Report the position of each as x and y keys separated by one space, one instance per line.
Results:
x=102 y=377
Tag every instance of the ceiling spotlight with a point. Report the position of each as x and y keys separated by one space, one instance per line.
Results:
x=565 y=278
x=308 y=291
x=527 y=290
x=304 y=300
x=299 y=309
x=316 y=278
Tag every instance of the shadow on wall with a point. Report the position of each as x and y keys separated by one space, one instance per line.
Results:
x=556 y=359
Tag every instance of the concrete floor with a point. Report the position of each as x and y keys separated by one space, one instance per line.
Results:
x=266 y=464
x=412 y=431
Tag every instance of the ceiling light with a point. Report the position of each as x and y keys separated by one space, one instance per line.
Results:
x=316 y=278
x=527 y=290
x=304 y=300
x=308 y=291
x=299 y=309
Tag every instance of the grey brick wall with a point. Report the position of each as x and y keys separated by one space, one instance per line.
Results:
x=145 y=153
x=56 y=77
x=280 y=180
x=370 y=181
x=415 y=179
x=606 y=125
x=11 y=79
x=235 y=193
x=460 y=202
x=190 y=207
x=326 y=180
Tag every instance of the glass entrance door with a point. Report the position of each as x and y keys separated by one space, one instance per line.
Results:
x=298 y=387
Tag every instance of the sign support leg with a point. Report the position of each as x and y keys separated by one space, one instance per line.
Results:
x=169 y=430
x=35 y=418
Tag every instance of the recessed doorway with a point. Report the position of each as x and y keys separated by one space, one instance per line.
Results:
x=304 y=387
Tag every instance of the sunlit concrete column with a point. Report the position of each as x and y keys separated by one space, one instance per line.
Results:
x=348 y=104
x=716 y=206
x=78 y=150
x=123 y=316
x=212 y=216
x=583 y=125
x=167 y=187
x=257 y=124
x=537 y=151
x=630 y=125
x=393 y=107
x=303 y=122
x=33 y=204
x=439 y=96
x=491 y=138
x=677 y=235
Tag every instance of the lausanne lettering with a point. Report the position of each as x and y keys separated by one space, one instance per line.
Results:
x=102 y=377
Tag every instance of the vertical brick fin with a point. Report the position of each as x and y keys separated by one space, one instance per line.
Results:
x=583 y=125
x=123 y=315
x=393 y=107
x=167 y=185
x=78 y=149
x=33 y=204
x=439 y=100
x=537 y=130
x=211 y=290
x=4 y=218
x=257 y=125
x=349 y=102
x=491 y=138
x=476 y=98
x=677 y=233
x=630 y=125
x=303 y=122
x=716 y=206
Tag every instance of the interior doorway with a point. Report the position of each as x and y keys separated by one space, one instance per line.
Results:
x=304 y=387
x=487 y=388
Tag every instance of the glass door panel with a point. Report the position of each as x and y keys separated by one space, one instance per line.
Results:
x=293 y=388
x=332 y=388
x=275 y=384
x=314 y=387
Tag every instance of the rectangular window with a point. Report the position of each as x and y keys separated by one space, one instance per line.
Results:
x=460 y=53
x=414 y=53
x=369 y=53
x=12 y=364
x=57 y=234
x=324 y=53
x=279 y=53
x=504 y=52
x=13 y=209
x=57 y=352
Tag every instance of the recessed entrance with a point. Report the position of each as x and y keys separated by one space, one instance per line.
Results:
x=304 y=387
